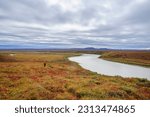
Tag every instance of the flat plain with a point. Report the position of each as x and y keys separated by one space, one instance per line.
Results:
x=23 y=75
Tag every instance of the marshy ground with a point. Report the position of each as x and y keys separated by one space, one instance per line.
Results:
x=23 y=75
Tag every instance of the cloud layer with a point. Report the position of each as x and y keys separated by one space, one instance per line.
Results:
x=75 y=23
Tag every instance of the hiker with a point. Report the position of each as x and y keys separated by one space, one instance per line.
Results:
x=44 y=64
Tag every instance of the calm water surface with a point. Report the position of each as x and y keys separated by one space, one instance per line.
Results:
x=93 y=63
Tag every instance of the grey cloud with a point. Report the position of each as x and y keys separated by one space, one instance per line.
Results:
x=140 y=13
x=96 y=23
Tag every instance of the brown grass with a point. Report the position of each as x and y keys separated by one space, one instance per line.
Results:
x=23 y=76
x=130 y=57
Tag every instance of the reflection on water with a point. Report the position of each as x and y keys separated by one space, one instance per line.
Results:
x=93 y=63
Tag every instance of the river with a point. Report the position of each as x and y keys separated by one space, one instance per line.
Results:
x=93 y=63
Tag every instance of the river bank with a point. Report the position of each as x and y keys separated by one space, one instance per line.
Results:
x=93 y=63
x=141 y=58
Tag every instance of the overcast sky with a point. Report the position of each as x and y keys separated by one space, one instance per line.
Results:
x=116 y=24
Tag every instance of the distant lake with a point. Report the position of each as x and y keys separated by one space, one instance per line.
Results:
x=93 y=63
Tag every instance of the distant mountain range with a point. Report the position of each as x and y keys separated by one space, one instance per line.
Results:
x=67 y=49
x=89 y=49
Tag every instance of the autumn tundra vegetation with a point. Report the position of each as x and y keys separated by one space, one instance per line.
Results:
x=130 y=57
x=50 y=75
